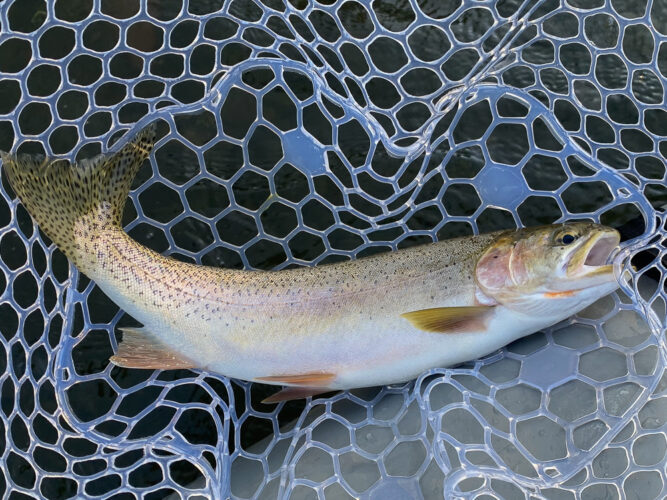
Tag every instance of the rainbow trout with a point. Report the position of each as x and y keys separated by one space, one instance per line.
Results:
x=373 y=321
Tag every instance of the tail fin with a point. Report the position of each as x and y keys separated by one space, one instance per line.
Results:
x=58 y=193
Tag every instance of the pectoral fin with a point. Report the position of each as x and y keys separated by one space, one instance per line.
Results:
x=450 y=319
x=140 y=349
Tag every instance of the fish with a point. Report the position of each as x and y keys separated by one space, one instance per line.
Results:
x=372 y=321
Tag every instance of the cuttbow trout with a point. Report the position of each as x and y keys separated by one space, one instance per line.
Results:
x=373 y=321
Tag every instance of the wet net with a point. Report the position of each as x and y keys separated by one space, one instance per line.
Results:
x=299 y=133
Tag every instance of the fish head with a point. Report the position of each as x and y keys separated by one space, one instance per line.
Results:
x=549 y=270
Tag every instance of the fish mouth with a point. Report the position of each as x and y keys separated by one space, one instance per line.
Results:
x=602 y=248
x=595 y=254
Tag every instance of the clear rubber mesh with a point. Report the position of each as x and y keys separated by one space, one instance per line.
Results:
x=297 y=133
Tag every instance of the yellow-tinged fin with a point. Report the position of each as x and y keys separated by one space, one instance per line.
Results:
x=450 y=319
x=140 y=349
x=58 y=193
x=291 y=393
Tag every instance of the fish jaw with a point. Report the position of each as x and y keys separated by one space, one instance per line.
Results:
x=564 y=298
x=588 y=277
x=556 y=306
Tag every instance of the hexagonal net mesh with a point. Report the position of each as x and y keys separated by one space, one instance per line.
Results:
x=297 y=133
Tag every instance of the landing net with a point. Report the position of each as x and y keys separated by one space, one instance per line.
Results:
x=299 y=133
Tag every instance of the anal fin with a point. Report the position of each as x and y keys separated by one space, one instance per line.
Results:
x=450 y=319
x=139 y=349
x=302 y=386
x=291 y=393
x=315 y=379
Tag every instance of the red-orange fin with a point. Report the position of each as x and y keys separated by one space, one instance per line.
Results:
x=450 y=319
x=291 y=393
x=305 y=379
x=139 y=349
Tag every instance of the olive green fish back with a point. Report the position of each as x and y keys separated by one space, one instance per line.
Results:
x=58 y=193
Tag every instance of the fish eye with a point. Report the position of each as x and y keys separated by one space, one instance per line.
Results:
x=568 y=238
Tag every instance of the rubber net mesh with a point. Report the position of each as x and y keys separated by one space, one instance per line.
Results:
x=297 y=133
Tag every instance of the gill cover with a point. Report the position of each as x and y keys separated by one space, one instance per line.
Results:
x=501 y=267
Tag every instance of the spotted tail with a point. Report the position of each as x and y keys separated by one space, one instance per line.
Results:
x=65 y=198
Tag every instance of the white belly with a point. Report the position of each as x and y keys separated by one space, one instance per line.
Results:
x=362 y=354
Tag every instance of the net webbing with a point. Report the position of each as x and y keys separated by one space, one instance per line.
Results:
x=299 y=133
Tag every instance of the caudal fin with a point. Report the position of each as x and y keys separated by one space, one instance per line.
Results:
x=63 y=197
